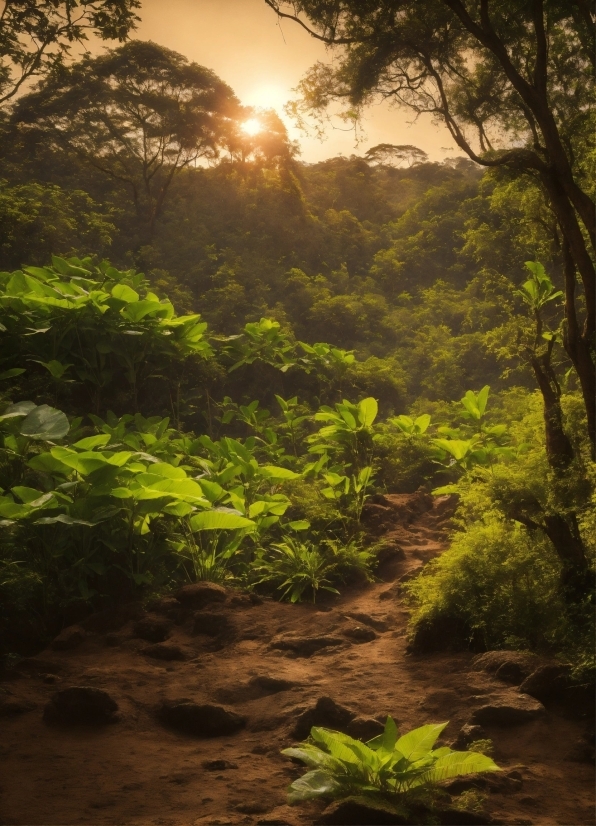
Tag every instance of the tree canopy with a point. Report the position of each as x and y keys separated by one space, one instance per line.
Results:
x=139 y=114
x=513 y=83
x=36 y=35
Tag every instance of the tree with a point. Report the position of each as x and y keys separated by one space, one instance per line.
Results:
x=139 y=113
x=260 y=136
x=392 y=155
x=513 y=82
x=35 y=35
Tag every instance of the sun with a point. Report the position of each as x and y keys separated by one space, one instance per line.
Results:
x=252 y=126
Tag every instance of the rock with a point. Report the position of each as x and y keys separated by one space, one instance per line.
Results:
x=11 y=707
x=164 y=651
x=211 y=623
x=218 y=765
x=354 y=811
x=364 y=728
x=468 y=734
x=511 y=672
x=255 y=688
x=378 y=623
x=112 y=619
x=327 y=713
x=69 y=638
x=549 y=682
x=305 y=646
x=493 y=661
x=508 y=710
x=360 y=634
x=81 y=705
x=199 y=594
x=201 y=720
x=153 y=629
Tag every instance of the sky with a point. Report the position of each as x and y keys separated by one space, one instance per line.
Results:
x=243 y=43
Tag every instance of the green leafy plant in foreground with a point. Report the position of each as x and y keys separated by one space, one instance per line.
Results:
x=387 y=765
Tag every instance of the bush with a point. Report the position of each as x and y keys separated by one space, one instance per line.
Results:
x=497 y=584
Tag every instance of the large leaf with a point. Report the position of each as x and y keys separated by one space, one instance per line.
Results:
x=219 y=520
x=273 y=472
x=18 y=409
x=45 y=423
x=368 y=409
x=314 y=784
x=93 y=441
x=419 y=741
x=455 y=764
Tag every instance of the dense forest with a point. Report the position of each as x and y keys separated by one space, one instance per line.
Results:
x=215 y=356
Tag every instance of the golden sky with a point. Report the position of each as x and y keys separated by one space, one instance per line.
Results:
x=243 y=43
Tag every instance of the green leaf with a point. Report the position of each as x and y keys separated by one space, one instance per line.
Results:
x=9 y=374
x=124 y=293
x=312 y=785
x=298 y=525
x=18 y=409
x=419 y=741
x=93 y=441
x=273 y=472
x=455 y=764
x=368 y=409
x=45 y=423
x=219 y=520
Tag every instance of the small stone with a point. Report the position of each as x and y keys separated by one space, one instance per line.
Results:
x=69 y=638
x=211 y=623
x=218 y=765
x=327 y=713
x=360 y=634
x=305 y=646
x=81 y=705
x=200 y=594
x=164 y=651
x=508 y=710
x=201 y=720
x=547 y=682
x=153 y=629
x=468 y=734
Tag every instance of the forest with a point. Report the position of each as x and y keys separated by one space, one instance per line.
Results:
x=234 y=379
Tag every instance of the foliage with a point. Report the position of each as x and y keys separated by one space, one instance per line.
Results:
x=36 y=36
x=389 y=764
x=139 y=114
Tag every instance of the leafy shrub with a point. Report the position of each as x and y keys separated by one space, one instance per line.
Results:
x=497 y=583
x=387 y=765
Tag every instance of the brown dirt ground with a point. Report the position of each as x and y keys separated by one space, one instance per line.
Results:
x=138 y=772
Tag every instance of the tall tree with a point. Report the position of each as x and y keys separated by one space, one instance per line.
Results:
x=36 y=35
x=139 y=113
x=513 y=82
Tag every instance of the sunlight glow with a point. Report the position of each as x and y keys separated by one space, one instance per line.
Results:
x=252 y=126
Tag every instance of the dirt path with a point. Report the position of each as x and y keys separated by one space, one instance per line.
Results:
x=138 y=771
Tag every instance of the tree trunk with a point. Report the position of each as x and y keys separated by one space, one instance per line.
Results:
x=558 y=447
x=577 y=347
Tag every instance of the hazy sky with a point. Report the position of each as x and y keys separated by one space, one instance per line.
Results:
x=242 y=42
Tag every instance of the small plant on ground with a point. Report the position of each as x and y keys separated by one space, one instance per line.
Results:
x=389 y=766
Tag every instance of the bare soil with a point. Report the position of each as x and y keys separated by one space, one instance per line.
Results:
x=137 y=771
